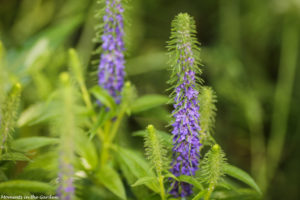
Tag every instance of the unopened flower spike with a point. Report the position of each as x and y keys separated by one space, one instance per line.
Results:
x=111 y=67
x=183 y=50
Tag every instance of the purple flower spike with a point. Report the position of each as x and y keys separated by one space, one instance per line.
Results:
x=66 y=188
x=111 y=67
x=186 y=124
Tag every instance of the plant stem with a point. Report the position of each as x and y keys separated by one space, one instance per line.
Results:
x=117 y=123
x=86 y=96
x=258 y=154
x=88 y=103
x=162 y=187
x=209 y=191
x=283 y=92
x=104 y=154
x=110 y=135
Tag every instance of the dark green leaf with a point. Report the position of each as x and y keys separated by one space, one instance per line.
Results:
x=242 y=176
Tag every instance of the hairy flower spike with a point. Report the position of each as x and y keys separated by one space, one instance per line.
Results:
x=207 y=99
x=8 y=114
x=186 y=126
x=111 y=67
x=155 y=150
x=212 y=168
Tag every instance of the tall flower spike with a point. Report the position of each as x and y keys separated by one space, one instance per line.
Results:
x=183 y=50
x=67 y=125
x=111 y=67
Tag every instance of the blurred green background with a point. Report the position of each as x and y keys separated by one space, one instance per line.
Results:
x=250 y=52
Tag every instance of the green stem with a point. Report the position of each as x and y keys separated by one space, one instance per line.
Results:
x=86 y=96
x=88 y=103
x=117 y=123
x=210 y=190
x=258 y=154
x=104 y=154
x=162 y=187
x=283 y=92
x=254 y=117
x=110 y=135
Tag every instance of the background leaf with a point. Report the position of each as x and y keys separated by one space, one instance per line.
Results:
x=112 y=181
x=147 y=102
x=143 y=181
x=31 y=143
x=103 y=96
x=136 y=165
x=14 y=156
x=241 y=175
x=27 y=186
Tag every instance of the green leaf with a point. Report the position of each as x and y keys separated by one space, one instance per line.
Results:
x=103 y=116
x=169 y=175
x=226 y=185
x=15 y=156
x=200 y=195
x=112 y=181
x=140 y=191
x=143 y=181
x=147 y=102
x=137 y=166
x=27 y=186
x=31 y=143
x=85 y=148
x=150 y=61
x=36 y=113
x=44 y=166
x=241 y=175
x=103 y=96
x=191 y=180
x=46 y=41
x=238 y=194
